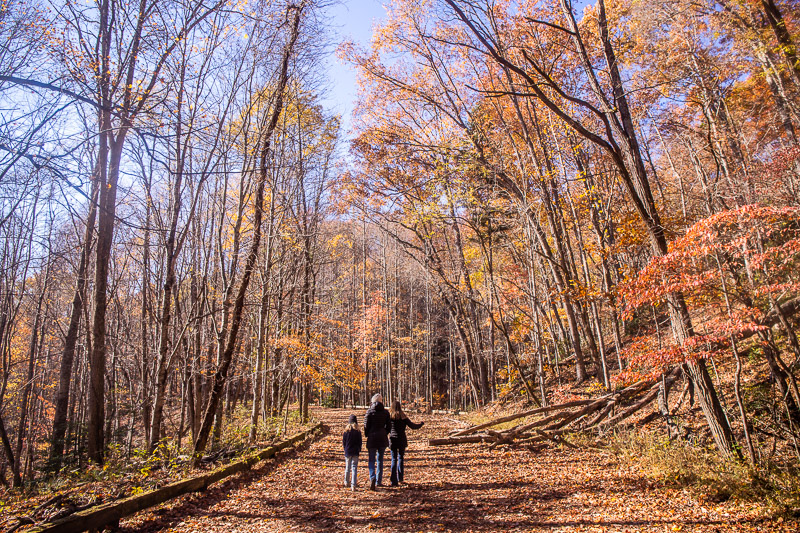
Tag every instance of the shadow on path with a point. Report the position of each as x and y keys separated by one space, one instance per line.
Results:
x=198 y=504
x=465 y=488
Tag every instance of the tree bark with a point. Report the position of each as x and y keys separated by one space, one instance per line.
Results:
x=16 y=479
x=71 y=338
x=172 y=250
x=787 y=46
x=220 y=377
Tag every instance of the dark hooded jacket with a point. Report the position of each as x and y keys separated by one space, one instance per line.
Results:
x=397 y=431
x=376 y=426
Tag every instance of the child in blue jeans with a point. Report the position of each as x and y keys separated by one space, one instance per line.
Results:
x=351 y=442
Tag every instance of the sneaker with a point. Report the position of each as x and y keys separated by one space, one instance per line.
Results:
x=372 y=484
x=353 y=488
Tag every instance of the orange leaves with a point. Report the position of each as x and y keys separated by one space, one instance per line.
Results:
x=729 y=266
x=754 y=247
x=648 y=360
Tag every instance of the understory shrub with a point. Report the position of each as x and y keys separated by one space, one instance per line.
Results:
x=685 y=464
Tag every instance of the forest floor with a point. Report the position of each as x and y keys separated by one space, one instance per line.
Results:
x=455 y=488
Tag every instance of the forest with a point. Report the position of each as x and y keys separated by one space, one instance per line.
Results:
x=543 y=204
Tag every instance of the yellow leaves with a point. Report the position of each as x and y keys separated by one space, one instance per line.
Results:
x=476 y=278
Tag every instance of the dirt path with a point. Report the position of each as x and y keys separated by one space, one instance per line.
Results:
x=467 y=488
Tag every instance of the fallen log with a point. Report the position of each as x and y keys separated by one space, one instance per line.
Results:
x=595 y=414
x=523 y=414
x=100 y=516
x=542 y=422
x=21 y=521
x=556 y=438
x=630 y=411
x=602 y=414
x=572 y=417
x=605 y=405
x=532 y=439
x=644 y=401
x=461 y=440
x=596 y=405
x=589 y=415
x=553 y=422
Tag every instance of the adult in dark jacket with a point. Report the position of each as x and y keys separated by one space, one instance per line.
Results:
x=351 y=443
x=376 y=428
x=398 y=422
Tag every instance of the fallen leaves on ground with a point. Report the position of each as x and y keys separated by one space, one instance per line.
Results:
x=463 y=488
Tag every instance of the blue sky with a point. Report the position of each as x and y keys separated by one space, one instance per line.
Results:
x=351 y=20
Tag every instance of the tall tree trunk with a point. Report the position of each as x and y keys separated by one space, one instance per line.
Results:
x=71 y=339
x=144 y=318
x=16 y=479
x=263 y=325
x=27 y=388
x=173 y=248
x=634 y=175
x=220 y=377
x=259 y=363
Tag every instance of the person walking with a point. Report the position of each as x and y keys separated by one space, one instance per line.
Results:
x=351 y=442
x=376 y=428
x=398 y=422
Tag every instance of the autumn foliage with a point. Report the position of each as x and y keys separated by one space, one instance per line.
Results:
x=732 y=267
x=536 y=198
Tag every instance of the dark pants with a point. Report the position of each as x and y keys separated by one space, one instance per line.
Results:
x=398 y=455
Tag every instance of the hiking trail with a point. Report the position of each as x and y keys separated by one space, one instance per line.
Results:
x=458 y=488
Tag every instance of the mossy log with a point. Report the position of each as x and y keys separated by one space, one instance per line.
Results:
x=98 y=517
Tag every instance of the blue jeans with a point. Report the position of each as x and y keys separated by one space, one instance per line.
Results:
x=397 y=465
x=351 y=465
x=373 y=475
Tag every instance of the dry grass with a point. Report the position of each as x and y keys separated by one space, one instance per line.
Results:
x=683 y=464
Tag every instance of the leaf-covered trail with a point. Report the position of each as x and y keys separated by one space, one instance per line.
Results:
x=465 y=488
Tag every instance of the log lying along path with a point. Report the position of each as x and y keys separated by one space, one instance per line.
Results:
x=464 y=488
x=108 y=515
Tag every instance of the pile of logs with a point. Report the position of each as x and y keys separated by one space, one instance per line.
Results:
x=550 y=423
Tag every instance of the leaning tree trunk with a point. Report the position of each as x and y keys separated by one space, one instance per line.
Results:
x=631 y=166
x=220 y=377
x=679 y=313
x=787 y=46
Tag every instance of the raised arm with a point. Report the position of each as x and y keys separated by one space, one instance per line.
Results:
x=412 y=425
